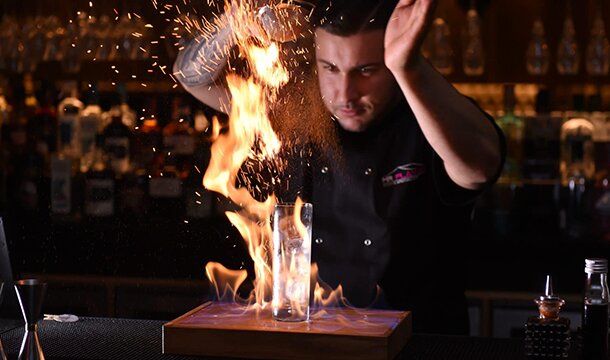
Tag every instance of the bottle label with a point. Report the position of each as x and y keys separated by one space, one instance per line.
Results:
x=180 y=144
x=88 y=129
x=99 y=200
x=61 y=196
x=117 y=149
x=165 y=187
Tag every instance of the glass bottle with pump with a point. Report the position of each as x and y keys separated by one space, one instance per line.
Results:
x=595 y=311
x=547 y=336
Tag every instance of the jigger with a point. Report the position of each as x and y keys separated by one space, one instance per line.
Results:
x=30 y=293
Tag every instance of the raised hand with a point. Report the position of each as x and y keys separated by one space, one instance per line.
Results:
x=406 y=31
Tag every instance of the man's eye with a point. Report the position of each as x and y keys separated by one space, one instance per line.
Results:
x=367 y=71
x=330 y=68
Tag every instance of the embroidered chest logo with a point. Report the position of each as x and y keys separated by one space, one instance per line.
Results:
x=402 y=174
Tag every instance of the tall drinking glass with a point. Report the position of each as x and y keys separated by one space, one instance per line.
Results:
x=291 y=261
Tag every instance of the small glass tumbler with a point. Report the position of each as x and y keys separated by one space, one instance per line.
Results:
x=291 y=261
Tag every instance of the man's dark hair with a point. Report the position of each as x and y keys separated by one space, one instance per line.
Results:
x=348 y=17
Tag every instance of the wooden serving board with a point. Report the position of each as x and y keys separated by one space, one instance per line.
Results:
x=231 y=330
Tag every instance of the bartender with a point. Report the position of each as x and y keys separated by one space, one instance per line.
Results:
x=391 y=215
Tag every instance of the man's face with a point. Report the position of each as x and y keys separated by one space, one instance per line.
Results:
x=355 y=84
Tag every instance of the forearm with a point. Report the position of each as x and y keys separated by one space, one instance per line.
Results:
x=456 y=128
x=202 y=62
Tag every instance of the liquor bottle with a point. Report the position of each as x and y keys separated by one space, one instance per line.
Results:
x=537 y=55
x=127 y=113
x=117 y=139
x=61 y=185
x=26 y=180
x=437 y=47
x=601 y=141
x=541 y=141
x=601 y=207
x=577 y=169
x=601 y=135
x=513 y=128
x=595 y=310
x=547 y=336
x=132 y=202
x=68 y=113
x=119 y=105
x=577 y=149
x=30 y=102
x=473 y=57
x=99 y=185
x=598 y=49
x=90 y=122
x=5 y=114
x=147 y=141
x=568 y=55
x=178 y=140
x=43 y=125
x=166 y=193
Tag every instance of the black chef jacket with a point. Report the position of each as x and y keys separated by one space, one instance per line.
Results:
x=386 y=213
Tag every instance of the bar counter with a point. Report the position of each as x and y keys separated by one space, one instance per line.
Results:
x=114 y=338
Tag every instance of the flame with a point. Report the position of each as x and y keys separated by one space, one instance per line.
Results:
x=225 y=281
x=324 y=295
x=249 y=136
x=267 y=65
x=300 y=227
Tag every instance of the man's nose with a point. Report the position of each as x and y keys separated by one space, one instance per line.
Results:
x=348 y=89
